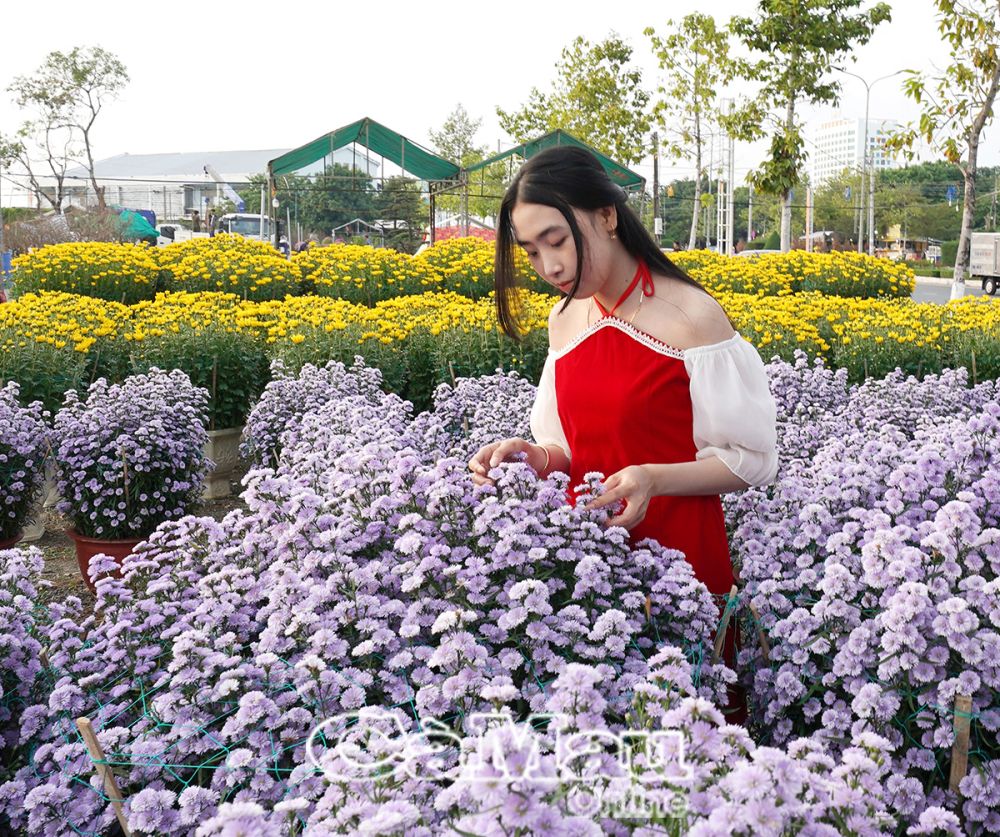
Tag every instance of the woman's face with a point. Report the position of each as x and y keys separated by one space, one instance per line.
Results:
x=548 y=242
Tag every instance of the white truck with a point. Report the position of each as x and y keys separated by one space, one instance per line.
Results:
x=171 y=231
x=984 y=260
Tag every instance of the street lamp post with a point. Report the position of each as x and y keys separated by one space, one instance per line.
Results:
x=865 y=170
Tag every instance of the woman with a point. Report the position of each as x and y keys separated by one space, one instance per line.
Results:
x=646 y=380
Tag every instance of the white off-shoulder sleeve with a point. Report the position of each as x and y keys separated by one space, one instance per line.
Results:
x=734 y=411
x=546 y=426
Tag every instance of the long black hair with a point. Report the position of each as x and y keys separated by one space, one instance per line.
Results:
x=567 y=177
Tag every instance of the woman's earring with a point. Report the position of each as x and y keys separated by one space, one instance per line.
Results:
x=614 y=233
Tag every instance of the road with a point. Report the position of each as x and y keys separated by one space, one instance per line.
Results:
x=936 y=291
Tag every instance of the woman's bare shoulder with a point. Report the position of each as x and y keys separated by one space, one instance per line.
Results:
x=684 y=316
x=566 y=323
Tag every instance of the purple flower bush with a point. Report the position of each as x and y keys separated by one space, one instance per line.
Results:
x=131 y=455
x=20 y=582
x=287 y=398
x=518 y=778
x=474 y=412
x=24 y=449
x=465 y=416
x=363 y=572
x=874 y=564
x=368 y=572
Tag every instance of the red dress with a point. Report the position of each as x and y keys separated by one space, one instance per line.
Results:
x=624 y=399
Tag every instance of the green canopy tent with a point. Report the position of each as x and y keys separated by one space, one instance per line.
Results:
x=408 y=155
x=624 y=177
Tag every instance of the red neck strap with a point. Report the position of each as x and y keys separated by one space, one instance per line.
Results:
x=643 y=275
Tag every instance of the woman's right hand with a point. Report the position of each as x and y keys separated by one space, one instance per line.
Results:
x=489 y=456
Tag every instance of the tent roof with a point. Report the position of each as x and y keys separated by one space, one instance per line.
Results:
x=624 y=177
x=405 y=153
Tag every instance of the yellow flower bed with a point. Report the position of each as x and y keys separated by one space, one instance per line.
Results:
x=229 y=264
x=360 y=273
x=119 y=272
x=466 y=266
x=61 y=320
x=223 y=242
x=420 y=340
x=846 y=274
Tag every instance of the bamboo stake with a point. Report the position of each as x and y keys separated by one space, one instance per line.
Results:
x=103 y=771
x=960 y=750
x=975 y=381
x=761 y=637
x=720 y=636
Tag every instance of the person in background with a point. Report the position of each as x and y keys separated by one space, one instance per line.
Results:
x=195 y=221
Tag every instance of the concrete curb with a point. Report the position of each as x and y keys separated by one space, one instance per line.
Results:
x=939 y=280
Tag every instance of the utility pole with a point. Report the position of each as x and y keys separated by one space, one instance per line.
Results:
x=864 y=167
x=809 y=219
x=731 y=191
x=708 y=171
x=657 y=222
x=871 y=209
x=750 y=214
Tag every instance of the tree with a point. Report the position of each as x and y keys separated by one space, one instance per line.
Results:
x=800 y=40
x=47 y=135
x=400 y=200
x=73 y=88
x=835 y=206
x=597 y=97
x=324 y=201
x=957 y=103
x=455 y=141
x=695 y=57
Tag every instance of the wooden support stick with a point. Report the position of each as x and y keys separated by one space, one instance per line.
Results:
x=960 y=749
x=104 y=771
x=43 y=658
x=649 y=612
x=765 y=649
x=720 y=637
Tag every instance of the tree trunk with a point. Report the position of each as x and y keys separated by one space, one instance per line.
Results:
x=786 y=198
x=696 y=209
x=965 y=236
x=969 y=204
x=786 y=222
x=85 y=130
x=98 y=190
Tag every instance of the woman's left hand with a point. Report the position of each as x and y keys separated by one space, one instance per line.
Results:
x=634 y=485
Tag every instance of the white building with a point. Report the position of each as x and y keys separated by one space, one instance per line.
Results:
x=837 y=144
x=173 y=185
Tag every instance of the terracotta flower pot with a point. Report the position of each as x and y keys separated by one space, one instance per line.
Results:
x=87 y=548
x=10 y=542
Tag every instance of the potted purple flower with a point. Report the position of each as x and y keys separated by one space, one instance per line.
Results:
x=128 y=458
x=24 y=447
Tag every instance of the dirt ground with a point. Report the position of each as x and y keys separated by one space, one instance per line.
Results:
x=61 y=568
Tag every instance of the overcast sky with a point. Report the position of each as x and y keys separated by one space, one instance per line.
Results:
x=217 y=75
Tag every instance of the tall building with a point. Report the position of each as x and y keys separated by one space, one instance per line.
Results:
x=837 y=144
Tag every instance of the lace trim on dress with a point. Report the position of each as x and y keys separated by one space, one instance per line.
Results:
x=613 y=322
